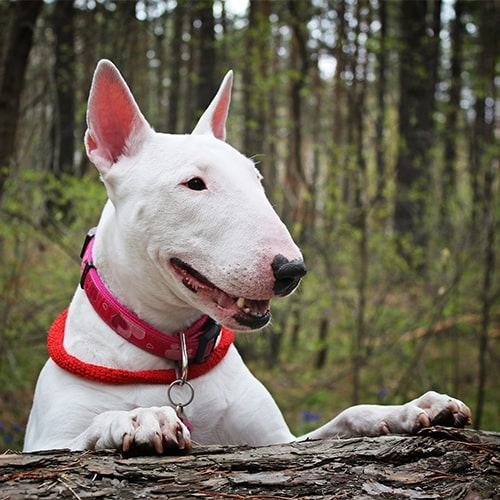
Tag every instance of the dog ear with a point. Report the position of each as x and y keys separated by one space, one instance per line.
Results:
x=213 y=120
x=115 y=123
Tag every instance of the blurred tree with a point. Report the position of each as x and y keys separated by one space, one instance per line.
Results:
x=362 y=203
x=63 y=128
x=452 y=111
x=16 y=42
x=382 y=57
x=62 y=148
x=206 y=75
x=177 y=50
x=299 y=182
x=484 y=160
x=419 y=53
x=255 y=75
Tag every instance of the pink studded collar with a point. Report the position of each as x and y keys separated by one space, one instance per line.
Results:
x=201 y=337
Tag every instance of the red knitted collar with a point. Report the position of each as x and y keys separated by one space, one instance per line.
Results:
x=202 y=349
x=200 y=337
x=55 y=344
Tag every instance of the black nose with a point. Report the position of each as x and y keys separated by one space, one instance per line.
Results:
x=287 y=274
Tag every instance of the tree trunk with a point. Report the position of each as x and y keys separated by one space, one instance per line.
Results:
x=453 y=108
x=381 y=105
x=299 y=185
x=17 y=42
x=58 y=206
x=487 y=163
x=255 y=77
x=418 y=63
x=486 y=91
x=129 y=57
x=339 y=97
x=488 y=298
x=439 y=463
x=64 y=78
x=206 y=77
x=360 y=200
x=322 y=354
x=175 y=70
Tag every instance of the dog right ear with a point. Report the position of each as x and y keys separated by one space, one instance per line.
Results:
x=116 y=126
x=213 y=120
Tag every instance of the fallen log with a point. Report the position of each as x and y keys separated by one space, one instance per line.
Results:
x=437 y=463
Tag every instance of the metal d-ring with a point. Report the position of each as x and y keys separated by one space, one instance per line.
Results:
x=182 y=380
x=180 y=404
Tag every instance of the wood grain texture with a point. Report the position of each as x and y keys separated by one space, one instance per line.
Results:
x=438 y=463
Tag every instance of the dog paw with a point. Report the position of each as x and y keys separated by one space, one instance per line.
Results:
x=441 y=409
x=142 y=431
x=429 y=409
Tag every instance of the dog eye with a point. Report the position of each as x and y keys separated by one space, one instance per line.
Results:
x=196 y=184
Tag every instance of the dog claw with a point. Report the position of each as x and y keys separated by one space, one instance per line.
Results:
x=127 y=443
x=144 y=431
x=423 y=420
x=183 y=443
x=158 y=444
x=384 y=428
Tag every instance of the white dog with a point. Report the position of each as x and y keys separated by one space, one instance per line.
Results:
x=186 y=242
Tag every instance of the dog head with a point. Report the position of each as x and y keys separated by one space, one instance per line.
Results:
x=188 y=223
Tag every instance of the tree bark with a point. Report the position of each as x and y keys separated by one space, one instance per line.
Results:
x=438 y=463
x=17 y=42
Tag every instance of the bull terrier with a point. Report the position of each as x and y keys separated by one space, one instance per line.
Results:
x=187 y=249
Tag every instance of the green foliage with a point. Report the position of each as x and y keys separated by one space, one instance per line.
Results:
x=400 y=317
x=420 y=330
x=38 y=273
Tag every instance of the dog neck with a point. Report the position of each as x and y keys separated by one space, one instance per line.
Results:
x=201 y=337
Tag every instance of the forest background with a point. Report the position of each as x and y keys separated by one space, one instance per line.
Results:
x=375 y=124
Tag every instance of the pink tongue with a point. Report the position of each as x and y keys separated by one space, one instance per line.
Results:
x=222 y=299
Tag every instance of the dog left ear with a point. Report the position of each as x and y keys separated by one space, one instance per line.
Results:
x=116 y=126
x=213 y=120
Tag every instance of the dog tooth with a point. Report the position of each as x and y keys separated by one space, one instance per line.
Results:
x=240 y=302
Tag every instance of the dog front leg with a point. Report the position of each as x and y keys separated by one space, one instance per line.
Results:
x=138 y=431
x=375 y=420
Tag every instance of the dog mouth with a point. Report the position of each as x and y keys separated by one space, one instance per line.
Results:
x=249 y=313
